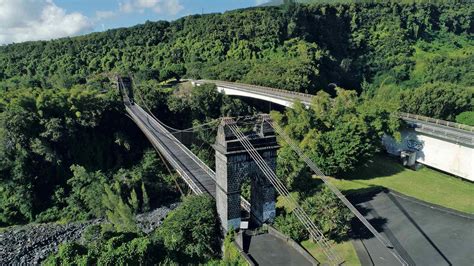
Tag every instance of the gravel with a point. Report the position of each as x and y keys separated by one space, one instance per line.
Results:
x=32 y=243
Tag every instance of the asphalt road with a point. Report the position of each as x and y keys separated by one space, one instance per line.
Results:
x=269 y=250
x=421 y=233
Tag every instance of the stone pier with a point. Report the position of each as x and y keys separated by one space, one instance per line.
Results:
x=234 y=165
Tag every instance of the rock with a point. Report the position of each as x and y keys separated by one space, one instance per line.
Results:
x=32 y=243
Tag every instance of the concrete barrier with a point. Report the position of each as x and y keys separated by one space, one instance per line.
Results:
x=446 y=155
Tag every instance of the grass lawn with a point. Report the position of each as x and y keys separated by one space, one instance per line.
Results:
x=344 y=249
x=425 y=184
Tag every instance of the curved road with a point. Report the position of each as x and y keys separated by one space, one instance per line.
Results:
x=422 y=233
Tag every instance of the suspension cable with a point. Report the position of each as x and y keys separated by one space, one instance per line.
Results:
x=298 y=210
x=316 y=234
x=167 y=166
x=175 y=130
x=170 y=172
x=336 y=191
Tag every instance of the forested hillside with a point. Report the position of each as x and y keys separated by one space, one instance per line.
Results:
x=68 y=152
x=55 y=96
x=372 y=46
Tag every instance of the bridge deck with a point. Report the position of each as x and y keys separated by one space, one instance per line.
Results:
x=435 y=127
x=197 y=175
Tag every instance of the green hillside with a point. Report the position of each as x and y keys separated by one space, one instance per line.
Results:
x=301 y=48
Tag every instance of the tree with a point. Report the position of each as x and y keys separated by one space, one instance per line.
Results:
x=466 y=118
x=329 y=214
x=436 y=100
x=172 y=71
x=336 y=134
x=289 y=225
x=127 y=249
x=231 y=254
x=146 y=199
x=84 y=201
x=133 y=201
x=111 y=248
x=191 y=231
x=68 y=254
x=118 y=212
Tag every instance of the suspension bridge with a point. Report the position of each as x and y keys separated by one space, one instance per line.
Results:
x=244 y=148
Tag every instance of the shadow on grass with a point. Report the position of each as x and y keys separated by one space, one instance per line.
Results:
x=380 y=165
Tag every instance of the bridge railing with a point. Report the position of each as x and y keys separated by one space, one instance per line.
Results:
x=245 y=204
x=307 y=98
x=436 y=121
x=185 y=149
x=171 y=159
x=261 y=89
x=446 y=133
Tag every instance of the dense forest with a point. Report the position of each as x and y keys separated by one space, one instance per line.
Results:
x=65 y=138
x=384 y=47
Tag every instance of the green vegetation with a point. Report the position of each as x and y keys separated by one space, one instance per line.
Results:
x=466 y=118
x=64 y=148
x=324 y=208
x=436 y=100
x=337 y=134
x=380 y=48
x=344 y=249
x=425 y=184
x=46 y=131
x=189 y=234
x=192 y=231
x=231 y=254
x=69 y=153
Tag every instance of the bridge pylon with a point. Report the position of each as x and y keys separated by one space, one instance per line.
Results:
x=234 y=166
x=125 y=87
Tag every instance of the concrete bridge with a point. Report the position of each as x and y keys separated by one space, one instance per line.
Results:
x=443 y=145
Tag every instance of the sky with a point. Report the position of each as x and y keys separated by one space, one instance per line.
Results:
x=29 y=20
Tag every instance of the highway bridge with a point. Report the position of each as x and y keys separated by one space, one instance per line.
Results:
x=445 y=145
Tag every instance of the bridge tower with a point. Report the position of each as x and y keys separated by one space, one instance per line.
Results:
x=234 y=165
x=124 y=84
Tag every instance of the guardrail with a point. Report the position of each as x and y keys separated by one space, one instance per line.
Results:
x=244 y=203
x=304 y=97
x=194 y=187
x=261 y=89
x=442 y=132
x=436 y=121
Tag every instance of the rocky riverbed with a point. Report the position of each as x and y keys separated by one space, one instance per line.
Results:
x=32 y=243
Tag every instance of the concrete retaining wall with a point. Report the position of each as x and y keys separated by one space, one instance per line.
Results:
x=448 y=156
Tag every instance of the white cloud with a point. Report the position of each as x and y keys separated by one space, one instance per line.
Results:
x=100 y=15
x=25 y=20
x=170 y=7
x=261 y=2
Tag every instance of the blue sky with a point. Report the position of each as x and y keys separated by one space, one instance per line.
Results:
x=25 y=20
x=121 y=19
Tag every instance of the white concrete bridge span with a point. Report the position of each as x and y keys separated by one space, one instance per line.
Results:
x=443 y=145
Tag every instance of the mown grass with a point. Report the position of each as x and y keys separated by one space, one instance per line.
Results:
x=425 y=184
x=344 y=249
x=383 y=171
